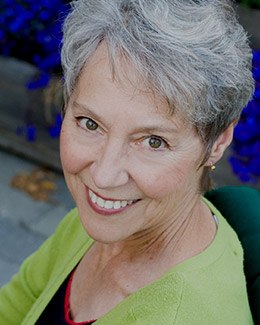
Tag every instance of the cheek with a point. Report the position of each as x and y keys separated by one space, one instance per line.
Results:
x=161 y=180
x=71 y=153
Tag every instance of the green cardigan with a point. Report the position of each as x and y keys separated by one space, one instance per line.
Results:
x=206 y=289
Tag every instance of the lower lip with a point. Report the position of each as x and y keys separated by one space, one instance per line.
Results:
x=103 y=211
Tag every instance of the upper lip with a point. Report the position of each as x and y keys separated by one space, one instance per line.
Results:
x=110 y=199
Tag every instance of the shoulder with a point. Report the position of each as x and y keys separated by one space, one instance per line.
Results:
x=68 y=238
x=41 y=273
x=214 y=286
x=214 y=289
x=47 y=268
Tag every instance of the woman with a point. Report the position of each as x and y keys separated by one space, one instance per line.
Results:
x=152 y=91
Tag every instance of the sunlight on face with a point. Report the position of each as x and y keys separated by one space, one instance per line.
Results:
x=120 y=143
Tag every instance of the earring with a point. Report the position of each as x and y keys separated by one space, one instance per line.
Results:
x=212 y=167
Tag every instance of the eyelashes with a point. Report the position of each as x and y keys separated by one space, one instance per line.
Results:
x=153 y=142
x=87 y=123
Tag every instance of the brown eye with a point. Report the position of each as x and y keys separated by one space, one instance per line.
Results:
x=155 y=142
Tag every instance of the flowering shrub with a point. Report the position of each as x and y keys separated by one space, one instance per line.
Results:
x=31 y=31
x=245 y=160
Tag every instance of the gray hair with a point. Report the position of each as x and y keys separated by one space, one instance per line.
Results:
x=192 y=52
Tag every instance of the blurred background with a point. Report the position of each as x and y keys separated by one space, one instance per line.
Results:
x=33 y=194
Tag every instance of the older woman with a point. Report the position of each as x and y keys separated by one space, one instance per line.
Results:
x=152 y=91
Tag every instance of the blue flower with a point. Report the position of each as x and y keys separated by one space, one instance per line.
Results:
x=32 y=30
x=245 y=160
x=41 y=81
x=31 y=133
x=54 y=130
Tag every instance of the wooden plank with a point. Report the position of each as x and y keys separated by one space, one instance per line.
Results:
x=39 y=151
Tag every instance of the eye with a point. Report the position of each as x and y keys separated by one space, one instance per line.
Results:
x=155 y=142
x=87 y=123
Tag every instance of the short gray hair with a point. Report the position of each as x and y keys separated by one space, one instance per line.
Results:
x=194 y=53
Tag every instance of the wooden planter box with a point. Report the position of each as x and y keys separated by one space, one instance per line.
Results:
x=18 y=105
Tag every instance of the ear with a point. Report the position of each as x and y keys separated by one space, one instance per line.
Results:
x=220 y=145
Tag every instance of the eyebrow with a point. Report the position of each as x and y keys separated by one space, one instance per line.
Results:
x=87 y=110
x=150 y=129
x=154 y=129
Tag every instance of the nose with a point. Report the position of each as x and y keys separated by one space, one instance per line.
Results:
x=109 y=168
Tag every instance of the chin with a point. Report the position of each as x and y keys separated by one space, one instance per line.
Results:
x=103 y=230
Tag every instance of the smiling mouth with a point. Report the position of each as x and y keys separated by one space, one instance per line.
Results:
x=111 y=205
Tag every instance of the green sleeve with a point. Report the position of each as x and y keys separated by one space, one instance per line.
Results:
x=18 y=296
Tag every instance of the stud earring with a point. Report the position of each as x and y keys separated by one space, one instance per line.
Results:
x=212 y=167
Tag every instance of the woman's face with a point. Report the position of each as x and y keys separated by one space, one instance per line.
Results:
x=131 y=167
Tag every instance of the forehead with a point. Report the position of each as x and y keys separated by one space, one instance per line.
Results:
x=120 y=84
x=119 y=71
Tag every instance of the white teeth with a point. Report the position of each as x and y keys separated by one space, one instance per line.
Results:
x=107 y=204
x=94 y=198
x=123 y=204
x=117 y=205
x=101 y=202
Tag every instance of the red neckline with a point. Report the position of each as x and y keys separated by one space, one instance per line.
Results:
x=67 y=306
